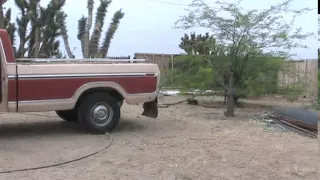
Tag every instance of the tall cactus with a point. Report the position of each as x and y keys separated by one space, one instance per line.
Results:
x=2 y=18
x=42 y=40
x=96 y=34
x=90 y=45
x=44 y=28
x=110 y=33
x=200 y=44
x=37 y=17
x=86 y=37
x=61 y=21
x=22 y=24
x=82 y=23
x=10 y=27
x=47 y=23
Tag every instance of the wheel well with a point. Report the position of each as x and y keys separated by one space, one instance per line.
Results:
x=114 y=93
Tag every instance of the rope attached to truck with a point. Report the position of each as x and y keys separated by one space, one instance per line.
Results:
x=61 y=163
x=166 y=105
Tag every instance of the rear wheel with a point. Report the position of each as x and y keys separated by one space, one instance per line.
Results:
x=68 y=115
x=99 y=113
x=120 y=103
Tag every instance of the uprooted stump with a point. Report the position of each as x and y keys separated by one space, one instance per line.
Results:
x=192 y=102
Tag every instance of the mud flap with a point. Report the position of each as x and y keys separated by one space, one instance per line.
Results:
x=150 y=109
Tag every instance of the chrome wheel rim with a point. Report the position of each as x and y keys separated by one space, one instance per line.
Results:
x=101 y=114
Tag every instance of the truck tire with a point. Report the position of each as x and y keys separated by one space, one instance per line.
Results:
x=120 y=103
x=99 y=113
x=68 y=115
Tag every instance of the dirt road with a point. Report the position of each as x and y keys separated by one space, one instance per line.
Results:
x=185 y=142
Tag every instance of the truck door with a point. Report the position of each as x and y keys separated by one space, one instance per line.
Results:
x=0 y=80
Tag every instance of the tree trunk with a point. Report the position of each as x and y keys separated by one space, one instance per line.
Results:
x=230 y=100
x=225 y=97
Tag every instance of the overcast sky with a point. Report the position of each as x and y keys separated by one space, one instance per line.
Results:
x=147 y=25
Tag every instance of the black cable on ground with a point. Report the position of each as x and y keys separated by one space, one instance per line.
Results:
x=62 y=163
x=175 y=103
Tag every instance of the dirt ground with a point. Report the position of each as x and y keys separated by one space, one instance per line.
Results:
x=186 y=142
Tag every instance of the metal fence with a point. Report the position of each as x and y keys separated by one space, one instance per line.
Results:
x=118 y=57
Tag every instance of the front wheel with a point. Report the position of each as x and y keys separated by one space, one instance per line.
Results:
x=99 y=113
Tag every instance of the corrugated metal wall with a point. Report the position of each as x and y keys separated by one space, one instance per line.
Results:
x=307 y=72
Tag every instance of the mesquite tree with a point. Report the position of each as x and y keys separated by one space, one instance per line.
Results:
x=207 y=69
x=246 y=33
x=90 y=46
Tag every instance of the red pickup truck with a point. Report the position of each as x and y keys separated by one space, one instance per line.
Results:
x=88 y=91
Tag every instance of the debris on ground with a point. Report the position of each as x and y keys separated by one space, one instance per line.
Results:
x=297 y=116
x=281 y=123
x=270 y=124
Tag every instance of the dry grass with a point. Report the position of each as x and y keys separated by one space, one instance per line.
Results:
x=185 y=142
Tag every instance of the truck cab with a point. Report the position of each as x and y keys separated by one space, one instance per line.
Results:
x=90 y=91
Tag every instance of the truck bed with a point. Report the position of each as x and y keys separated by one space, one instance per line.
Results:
x=77 y=61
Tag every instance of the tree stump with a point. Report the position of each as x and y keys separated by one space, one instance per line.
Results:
x=192 y=101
